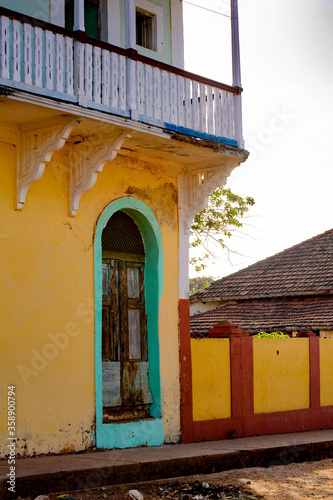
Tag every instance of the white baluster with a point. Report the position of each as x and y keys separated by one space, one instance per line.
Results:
x=131 y=88
x=4 y=47
x=148 y=90
x=210 y=110
x=16 y=51
x=180 y=101
x=203 y=108
x=188 y=105
x=173 y=98
x=156 y=94
x=231 y=132
x=114 y=80
x=139 y=83
x=217 y=111
x=27 y=57
x=79 y=71
x=88 y=72
x=165 y=96
x=38 y=57
x=106 y=77
x=195 y=105
x=97 y=54
x=224 y=124
x=122 y=82
x=59 y=66
x=49 y=61
x=69 y=66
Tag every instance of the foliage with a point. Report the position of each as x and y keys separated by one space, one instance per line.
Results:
x=200 y=282
x=216 y=222
x=272 y=335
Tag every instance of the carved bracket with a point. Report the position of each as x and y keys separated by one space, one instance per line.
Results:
x=87 y=159
x=36 y=148
x=195 y=186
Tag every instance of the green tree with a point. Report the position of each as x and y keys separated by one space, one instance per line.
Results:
x=200 y=282
x=216 y=222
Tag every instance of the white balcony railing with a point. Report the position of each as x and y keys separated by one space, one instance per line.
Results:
x=50 y=61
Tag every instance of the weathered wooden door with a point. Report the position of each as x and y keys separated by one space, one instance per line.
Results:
x=126 y=393
x=125 y=386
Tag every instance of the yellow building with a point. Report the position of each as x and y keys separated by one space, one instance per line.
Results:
x=108 y=148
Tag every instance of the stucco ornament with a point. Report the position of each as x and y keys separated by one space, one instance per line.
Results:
x=37 y=144
x=195 y=186
x=87 y=158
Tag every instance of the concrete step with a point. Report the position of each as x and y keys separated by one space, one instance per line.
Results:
x=58 y=473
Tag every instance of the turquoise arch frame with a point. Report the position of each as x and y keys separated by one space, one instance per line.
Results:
x=149 y=431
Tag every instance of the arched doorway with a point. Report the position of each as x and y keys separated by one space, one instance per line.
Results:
x=128 y=284
x=125 y=366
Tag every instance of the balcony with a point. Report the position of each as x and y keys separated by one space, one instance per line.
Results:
x=56 y=63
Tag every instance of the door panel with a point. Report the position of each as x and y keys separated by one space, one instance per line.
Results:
x=111 y=383
x=126 y=392
x=135 y=383
x=134 y=340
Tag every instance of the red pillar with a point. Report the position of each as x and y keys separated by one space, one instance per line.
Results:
x=186 y=406
x=241 y=372
x=314 y=371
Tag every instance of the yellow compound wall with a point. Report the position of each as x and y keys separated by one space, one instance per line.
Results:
x=281 y=374
x=211 y=379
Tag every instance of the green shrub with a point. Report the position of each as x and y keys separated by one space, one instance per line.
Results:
x=273 y=335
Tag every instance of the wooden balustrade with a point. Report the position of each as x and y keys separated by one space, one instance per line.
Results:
x=55 y=62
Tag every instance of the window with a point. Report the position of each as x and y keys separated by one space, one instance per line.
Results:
x=145 y=29
x=149 y=28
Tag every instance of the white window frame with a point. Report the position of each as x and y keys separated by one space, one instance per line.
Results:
x=157 y=11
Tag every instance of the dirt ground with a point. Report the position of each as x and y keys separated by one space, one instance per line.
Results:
x=309 y=480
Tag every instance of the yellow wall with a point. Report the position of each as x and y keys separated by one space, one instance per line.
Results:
x=47 y=297
x=326 y=371
x=281 y=374
x=211 y=379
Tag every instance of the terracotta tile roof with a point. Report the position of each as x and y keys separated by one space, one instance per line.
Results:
x=286 y=314
x=306 y=268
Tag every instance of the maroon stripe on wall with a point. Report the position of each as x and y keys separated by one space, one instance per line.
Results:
x=247 y=376
x=314 y=372
x=186 y=406
x=265 y=424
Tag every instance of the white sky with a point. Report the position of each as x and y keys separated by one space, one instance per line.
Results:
x=287 y=76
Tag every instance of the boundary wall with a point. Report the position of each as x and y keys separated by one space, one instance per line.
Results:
x=242 y=386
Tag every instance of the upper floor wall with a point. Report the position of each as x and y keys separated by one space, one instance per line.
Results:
x=157 y=27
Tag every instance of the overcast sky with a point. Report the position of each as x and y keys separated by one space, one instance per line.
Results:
x=287 y=76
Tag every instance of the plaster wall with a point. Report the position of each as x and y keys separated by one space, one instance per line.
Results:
x=211 y=379
x=47 y=302
x=40 y=9
x=281 y=374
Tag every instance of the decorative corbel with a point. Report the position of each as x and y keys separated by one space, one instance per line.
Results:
x=87 y=158
x=195 y=186
x=37 y=146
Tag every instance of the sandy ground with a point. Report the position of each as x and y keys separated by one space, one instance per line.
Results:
x=309 y=480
